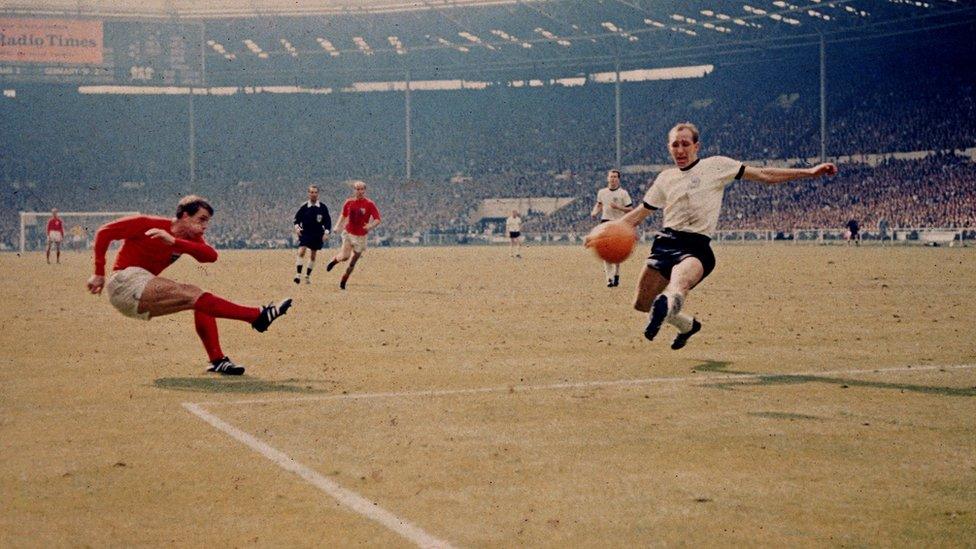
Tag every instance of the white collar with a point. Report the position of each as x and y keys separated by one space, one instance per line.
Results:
x=310 y=205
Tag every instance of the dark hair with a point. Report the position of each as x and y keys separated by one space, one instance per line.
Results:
x=614 y=171
x=191 y=205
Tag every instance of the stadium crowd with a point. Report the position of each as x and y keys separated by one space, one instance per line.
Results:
x=938 y=191
x=501 y=142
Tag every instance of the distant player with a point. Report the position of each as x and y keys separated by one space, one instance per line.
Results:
x=55 y=235
x=612 y=203
x=853 y=232
x=359 y=216
x=513 y=226
x=883 y=228
x=150 y=245
x=312 y=225
x=691 y=196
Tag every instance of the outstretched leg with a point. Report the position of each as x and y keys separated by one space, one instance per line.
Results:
x=162 y=296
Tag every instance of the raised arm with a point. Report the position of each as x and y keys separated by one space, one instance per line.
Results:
x=774 y=176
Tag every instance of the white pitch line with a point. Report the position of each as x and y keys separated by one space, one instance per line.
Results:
x=348 y=498
x=370 y=510
x=586 y=384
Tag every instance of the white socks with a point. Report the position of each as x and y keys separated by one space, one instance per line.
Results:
x=682 y=322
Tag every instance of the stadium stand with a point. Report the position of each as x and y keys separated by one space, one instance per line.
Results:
x=85 y=152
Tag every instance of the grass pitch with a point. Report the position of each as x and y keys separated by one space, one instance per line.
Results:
x=829 y=399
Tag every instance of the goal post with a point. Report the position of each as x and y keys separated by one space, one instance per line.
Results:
x=79 y=228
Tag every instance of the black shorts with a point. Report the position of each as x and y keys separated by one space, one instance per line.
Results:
x=671 y=247
x=514 y=234
x=310 y=241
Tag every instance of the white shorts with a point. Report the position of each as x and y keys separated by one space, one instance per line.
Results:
x=358 y=242
x=125 y=289
x=54 y=236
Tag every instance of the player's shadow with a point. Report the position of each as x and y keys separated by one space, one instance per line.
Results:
x=759 y=379
x=235 y=385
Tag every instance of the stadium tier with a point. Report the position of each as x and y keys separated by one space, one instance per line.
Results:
x=253 y=150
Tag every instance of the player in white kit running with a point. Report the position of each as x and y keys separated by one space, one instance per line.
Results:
x=513 y=226
x=612 y=203
x=691 y=196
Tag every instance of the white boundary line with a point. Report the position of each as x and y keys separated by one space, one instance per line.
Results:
x=705 y=378
x=348 y=498
x=415 y=534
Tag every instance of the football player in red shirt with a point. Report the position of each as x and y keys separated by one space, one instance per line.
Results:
x=55 y=235
x=150 y=245
x=359 y=216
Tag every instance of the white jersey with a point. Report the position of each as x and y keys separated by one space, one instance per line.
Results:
x=692 y=197
x=513 y=224
x=619 y=197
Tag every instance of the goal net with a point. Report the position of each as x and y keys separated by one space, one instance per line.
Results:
x=79 y=228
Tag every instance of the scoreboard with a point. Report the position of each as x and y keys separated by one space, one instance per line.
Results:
x=94 y=51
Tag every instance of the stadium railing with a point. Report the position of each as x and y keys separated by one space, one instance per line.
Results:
x=932 y=236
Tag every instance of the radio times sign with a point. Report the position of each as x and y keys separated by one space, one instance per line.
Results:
x=60 y=41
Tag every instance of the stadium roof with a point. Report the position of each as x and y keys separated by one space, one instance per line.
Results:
x=556 y=37
x=231 y=8
x=323 y=42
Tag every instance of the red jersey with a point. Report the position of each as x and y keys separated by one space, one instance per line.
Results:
x=358 y=212
x=139 y=250
x=55 y=225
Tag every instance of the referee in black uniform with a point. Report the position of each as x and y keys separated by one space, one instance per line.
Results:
x=312 y=225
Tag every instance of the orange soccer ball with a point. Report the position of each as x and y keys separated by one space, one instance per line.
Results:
x=612 y=241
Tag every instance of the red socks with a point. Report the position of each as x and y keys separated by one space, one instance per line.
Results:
x=221 y=308
x=207 y=330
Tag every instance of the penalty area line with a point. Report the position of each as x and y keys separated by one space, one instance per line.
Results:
x=347 y=498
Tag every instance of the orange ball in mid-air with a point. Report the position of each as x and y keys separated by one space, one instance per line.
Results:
x=612 y=241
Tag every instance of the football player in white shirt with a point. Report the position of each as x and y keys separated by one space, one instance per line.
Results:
x=691 y=196
x=513 y=226
x=612 y=203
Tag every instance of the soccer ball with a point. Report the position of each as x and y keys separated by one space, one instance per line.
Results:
x=613 y=241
